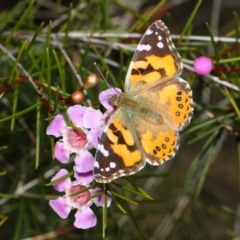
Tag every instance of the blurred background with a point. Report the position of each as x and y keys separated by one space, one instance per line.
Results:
x=196 y=194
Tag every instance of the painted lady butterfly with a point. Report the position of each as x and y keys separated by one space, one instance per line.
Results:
x=155 y=106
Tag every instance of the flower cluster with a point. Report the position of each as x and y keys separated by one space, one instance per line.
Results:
x=84 y=217
x=77 y=135
x=83 y=133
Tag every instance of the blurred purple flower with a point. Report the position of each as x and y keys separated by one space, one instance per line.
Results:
x=203 y=65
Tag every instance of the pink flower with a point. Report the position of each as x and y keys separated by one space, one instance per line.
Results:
x=83 y=169
x=105 y=100
x=87 y=128
x=105 y=96
x=100 y=201
x=84 y=217
x=203 y=65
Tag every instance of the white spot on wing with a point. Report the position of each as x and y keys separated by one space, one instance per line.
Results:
x=149 y=32
x=103 y=151
x=112 y=165
x=144 y=47
x=96 y=164
x=159 y=38
x=107 y=169
x=160 y=45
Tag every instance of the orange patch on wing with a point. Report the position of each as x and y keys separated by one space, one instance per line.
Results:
x=113 y=138
x=167 y=94
x=160 y=62
x=135 y=78
x=140 y=64
x=130 y=158
x=128 y=138
x=151 y=77
x=162 y=146
x=170 y=70
x=179 y=106
x=166 y=63
x=136 y=66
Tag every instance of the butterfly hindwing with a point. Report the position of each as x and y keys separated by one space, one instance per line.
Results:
x=158 y=141
x=172 y=99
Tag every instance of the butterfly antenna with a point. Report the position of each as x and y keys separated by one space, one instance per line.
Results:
x=116 y=92
x=104 y=79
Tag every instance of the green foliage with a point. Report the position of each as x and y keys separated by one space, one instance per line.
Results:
x=43 y=60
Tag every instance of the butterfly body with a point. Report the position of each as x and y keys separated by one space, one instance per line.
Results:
x=155 y=106
x=136 y=105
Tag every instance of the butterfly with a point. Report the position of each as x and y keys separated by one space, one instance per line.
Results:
x=155 y=106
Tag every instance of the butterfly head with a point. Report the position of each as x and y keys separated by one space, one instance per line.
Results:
x=115 y=99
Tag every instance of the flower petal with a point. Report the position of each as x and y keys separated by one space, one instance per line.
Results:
x=100 y=201
x=56 y=126
x=75 y=114
x=61 y=186
x=83 y=178
x=94 y=135
x=61 y=154
x=85 y=219
x=104 y=97
x=92 y=118
x=75 y=141
x=79 y=201
x=60 y=207
x=84 y=162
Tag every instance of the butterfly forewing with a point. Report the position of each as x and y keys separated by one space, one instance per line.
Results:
x=155 y=58
x=118 y=153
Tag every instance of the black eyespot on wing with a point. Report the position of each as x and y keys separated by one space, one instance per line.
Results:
x=158 y=148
